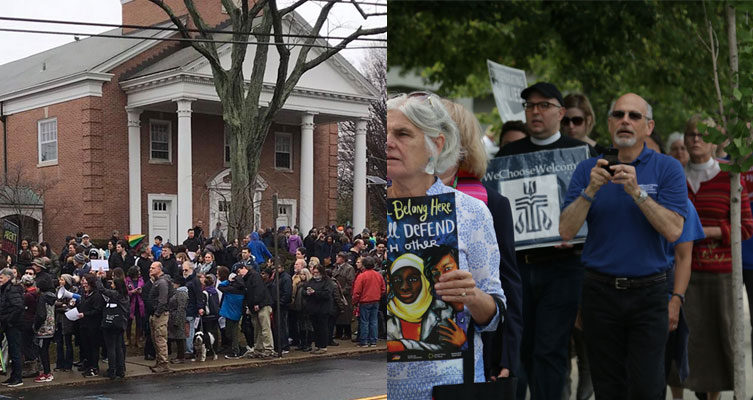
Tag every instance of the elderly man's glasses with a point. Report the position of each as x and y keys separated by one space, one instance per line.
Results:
x=577 y=121
x=633 y=115
x=542 y=105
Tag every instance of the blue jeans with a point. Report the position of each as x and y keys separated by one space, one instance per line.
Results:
x=551 y=295
x=367 y=323
x=191 y=332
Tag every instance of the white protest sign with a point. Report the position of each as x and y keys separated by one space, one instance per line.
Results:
x=507 y=84
x=100 y=265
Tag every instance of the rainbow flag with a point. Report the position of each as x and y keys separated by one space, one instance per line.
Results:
x=134 y=240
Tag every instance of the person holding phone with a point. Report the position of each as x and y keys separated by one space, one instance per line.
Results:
x=631 y=216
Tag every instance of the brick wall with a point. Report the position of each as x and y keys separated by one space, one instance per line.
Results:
x=143 y=12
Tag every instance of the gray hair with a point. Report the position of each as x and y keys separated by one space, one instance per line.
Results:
x=673 y=137
x=430 y=116
x=7 y=272
x=649 y=109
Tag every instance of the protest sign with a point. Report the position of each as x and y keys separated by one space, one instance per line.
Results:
x=100 y=265
x=536 y=185
x=9 y=243
x=507 y=84
x=422 y=245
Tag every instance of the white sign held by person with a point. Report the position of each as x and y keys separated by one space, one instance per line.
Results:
x=507 y=84
x=536 y=185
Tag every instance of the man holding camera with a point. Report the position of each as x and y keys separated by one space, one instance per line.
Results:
x=551 y=276
x=632 y=208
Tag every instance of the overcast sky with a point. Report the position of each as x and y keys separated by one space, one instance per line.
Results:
x=14 y=46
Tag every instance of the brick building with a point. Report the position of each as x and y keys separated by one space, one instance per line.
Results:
x=128 y=134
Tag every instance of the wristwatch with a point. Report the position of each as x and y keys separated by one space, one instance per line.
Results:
x=681 y=296
x=641 y=197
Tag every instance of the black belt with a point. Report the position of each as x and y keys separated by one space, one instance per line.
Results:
x=551 y=255
x=625 y=282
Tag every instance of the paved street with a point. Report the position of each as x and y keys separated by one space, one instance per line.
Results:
x=333 y=378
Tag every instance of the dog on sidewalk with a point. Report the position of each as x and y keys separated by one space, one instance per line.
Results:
x=200 y=344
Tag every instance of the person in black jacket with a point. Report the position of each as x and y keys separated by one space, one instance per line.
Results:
x=259 y=304
x=90 y=319
x=149 y=351
x=44 y=326
x=196 y=302
x=120 y=258
x=281 y=320
x=169 y=262
x=11 y=319
x=319 y=305
x=114 y=342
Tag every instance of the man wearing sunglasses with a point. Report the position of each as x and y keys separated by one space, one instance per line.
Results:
x=551 y=276
x=631 y=213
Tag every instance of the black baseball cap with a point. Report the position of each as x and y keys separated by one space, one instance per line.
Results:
x=546 y=89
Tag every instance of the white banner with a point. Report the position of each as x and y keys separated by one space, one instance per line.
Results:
x=507 y=84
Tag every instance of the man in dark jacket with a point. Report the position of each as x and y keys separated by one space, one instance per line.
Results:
x=11 y=319
x=196 y=302
x=159 y=296
x=169 y=263
x=120 y=258
x=281 y=317
x=149 y=352
x=259 y=304
x=192 y=243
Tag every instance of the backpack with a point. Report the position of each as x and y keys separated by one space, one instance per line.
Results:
x=212 y=308
x=47 y=330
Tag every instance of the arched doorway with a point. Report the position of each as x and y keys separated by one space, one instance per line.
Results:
x=220 y=198
x=28 y=226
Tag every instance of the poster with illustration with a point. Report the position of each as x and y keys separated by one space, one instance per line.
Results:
x=422 y=245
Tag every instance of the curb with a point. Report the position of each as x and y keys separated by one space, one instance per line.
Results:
x=191 y=368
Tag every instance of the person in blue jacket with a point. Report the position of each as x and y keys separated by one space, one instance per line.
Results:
x=258 y=249
x=234 y=293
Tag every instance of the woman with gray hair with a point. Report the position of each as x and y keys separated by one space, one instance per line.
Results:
x=423 y=142
x=675 y=147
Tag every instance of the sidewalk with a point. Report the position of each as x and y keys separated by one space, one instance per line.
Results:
x=136 y=366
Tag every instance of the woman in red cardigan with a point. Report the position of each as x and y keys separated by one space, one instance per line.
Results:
x=709 y=295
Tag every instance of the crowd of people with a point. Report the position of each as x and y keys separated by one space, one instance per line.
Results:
x=659 y=233
x=188 y=302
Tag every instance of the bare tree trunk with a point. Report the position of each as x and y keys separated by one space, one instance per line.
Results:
x=738 y=329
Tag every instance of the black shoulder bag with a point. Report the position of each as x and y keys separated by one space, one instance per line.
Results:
x=501 y=389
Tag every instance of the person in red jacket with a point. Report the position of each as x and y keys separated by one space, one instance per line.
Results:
x=368 y=288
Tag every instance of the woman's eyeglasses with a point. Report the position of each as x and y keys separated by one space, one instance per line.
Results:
x=633 y=115
x=577 y=121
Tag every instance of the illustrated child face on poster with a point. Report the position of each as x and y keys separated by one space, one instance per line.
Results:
x=441 y=260
x=411 y=296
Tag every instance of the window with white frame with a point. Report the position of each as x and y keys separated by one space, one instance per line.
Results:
x=283 y=151
x=160 y=143
x=47 y=132
x=227 y=144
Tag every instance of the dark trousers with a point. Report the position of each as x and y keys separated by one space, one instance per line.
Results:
x=293 y=322
x=115 y=346
x=626 y=334
x=280 y=322
x=91 y=340
x=13 y=335
x=331 y=328
x=212 y=327
x=44 y=353
x=64 y=343
x=321 y=329
x=248 y=330
x=551 y=294
x=149 y=350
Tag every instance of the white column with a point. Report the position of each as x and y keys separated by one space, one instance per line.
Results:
x=134 y=170
x=359 y=178
x=185 y=169
x=306 y=221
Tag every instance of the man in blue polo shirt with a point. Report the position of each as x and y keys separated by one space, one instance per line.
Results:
x=632 y=213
